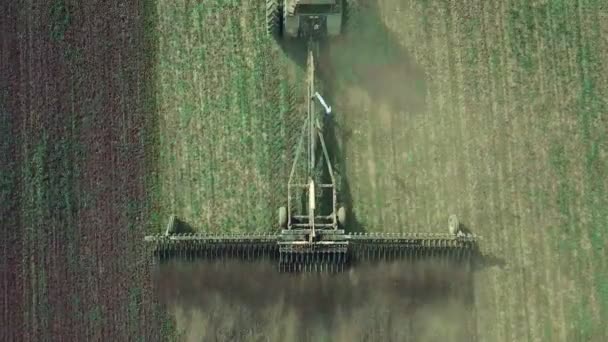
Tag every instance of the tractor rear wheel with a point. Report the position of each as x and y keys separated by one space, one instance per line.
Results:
x=341 y=216
x=272 y=17
x=282 y=217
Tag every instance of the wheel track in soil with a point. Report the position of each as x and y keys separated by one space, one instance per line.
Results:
x=449 y=66
x=515 y=278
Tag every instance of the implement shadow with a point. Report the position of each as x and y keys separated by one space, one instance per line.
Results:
x=337 y=154
x=479 y=260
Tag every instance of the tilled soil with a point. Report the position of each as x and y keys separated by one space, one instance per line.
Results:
x=252 y=302
x=75 y=122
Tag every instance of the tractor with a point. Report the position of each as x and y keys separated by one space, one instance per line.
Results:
x=293 y=19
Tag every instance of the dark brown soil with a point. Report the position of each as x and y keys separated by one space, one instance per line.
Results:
x=74 y=84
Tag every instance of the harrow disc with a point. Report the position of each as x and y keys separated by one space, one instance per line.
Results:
x=201 y=246
x=334 y=254
x=372 y=247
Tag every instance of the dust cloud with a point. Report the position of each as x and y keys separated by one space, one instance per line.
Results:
x=253 y=302
x=371 y=57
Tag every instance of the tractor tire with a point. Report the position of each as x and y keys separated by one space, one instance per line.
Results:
x=341 y=216
x=282 y=217
x=453 y=225
x=273 y=20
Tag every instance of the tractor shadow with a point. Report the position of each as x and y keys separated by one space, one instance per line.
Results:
x=294 y=49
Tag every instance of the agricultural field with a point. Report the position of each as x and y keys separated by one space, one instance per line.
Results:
x=490 y=110
x=114 y=116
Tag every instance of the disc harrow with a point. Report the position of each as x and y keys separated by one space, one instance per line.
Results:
x=334 y=255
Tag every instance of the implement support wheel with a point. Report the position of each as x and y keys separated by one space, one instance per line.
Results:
x=282 y=217
x=453 y=225
x=341 y=216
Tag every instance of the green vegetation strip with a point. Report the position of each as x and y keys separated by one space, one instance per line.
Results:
x=225 y=110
